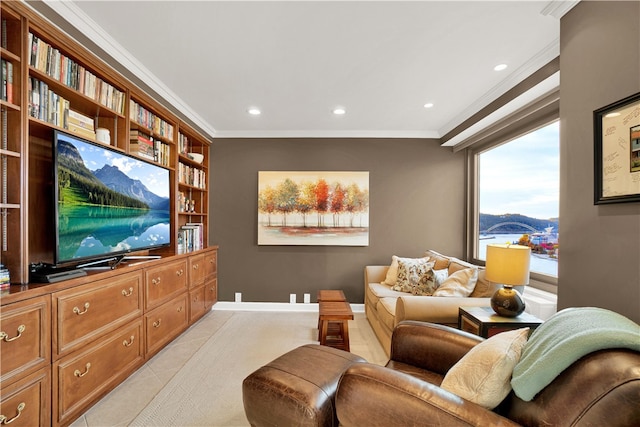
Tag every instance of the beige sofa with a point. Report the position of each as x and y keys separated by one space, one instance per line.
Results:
x=385 y=308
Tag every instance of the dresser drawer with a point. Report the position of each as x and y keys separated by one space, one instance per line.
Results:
x=166 y=322
x=164 y=282
x=81 y=378
x=84 y=313
x=197 y=303
x=211 y=263
x=210 y=292
x=27 y=401
x=25 y=342
x=197 y=270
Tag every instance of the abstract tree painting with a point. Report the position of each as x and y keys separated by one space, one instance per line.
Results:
x=313 y=208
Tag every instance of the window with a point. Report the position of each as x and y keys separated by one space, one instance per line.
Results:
x=517 y=198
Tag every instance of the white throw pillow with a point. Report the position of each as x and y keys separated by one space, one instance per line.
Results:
x=440 y=276
x=459 y=284
x=392 y=272
x=483 y=375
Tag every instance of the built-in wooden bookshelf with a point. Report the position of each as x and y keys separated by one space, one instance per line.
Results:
x=13 y=150
x=192 y=175
x=57 y=84
x=65 y=359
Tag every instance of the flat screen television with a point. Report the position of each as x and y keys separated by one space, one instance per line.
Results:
x=107 y=203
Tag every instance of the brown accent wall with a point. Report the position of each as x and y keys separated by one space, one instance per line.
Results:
x=416 y=203
x=600 y=245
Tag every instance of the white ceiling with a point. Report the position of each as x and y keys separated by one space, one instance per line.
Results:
x=297 y=60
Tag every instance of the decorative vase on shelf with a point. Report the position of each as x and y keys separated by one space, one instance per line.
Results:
x=507 y=302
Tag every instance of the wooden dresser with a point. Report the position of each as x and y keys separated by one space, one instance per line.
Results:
x=65 y=345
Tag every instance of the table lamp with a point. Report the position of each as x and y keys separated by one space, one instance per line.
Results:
x=508 y=265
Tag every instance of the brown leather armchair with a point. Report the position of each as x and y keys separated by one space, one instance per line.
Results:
x=600 y=389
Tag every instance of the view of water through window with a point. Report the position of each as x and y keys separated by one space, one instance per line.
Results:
x=518 y=194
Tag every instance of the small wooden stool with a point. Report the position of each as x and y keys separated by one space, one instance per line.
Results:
x=329 y=295
x=334 y=324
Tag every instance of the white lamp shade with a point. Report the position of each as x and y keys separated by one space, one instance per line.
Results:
x=508 y=264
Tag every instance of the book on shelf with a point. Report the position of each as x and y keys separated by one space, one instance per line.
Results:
x=53 y=62
x=162 y=152
x=7 y=81
x=5 y=280
x=193 y=176
x=5 y=132
x=148 y=119
x=190 y=237
x=198 y=234
x=148 y=147
x=141 y=144
x=183 y=144
x=83 y=132
x=10 y=82
x=4 y=34
x=46 y=105
x=3 y=93
x=80 y=120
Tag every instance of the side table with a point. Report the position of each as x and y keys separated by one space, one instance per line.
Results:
x=484 y=322
x=333 y=319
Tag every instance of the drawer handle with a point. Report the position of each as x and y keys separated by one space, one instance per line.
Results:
x=156 y=281
x=195 y=266
x=4 y=420
x=156 y=324
x=180 y=309
x=127 y=294
x=79 y=374
x=128 y=343
x=212 y=261
x=5 y=337
x=179 y=272
x=77 y=311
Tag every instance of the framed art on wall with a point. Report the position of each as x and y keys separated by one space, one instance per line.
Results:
x=313 y=208
x=617 y=151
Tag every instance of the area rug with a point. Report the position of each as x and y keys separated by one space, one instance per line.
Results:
x=201 y=393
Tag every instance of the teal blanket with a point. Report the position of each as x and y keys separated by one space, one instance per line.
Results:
x=566 y=337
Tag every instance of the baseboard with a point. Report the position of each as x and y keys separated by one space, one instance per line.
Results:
x=275 y=306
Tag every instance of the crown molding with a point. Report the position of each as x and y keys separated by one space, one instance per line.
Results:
x=329 y=134
x=558 y=8
x=82 y=22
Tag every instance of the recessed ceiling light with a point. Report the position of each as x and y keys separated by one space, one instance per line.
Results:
x=500 y=67
x=339 y=111
x=254 y=111
x=428 y=105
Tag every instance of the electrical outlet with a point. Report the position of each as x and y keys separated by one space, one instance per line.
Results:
x=307 y=298
x=292 y=298
x=238 y=296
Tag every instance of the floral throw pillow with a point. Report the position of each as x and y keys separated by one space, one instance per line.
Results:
x=416 y=277
x=392 y=272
